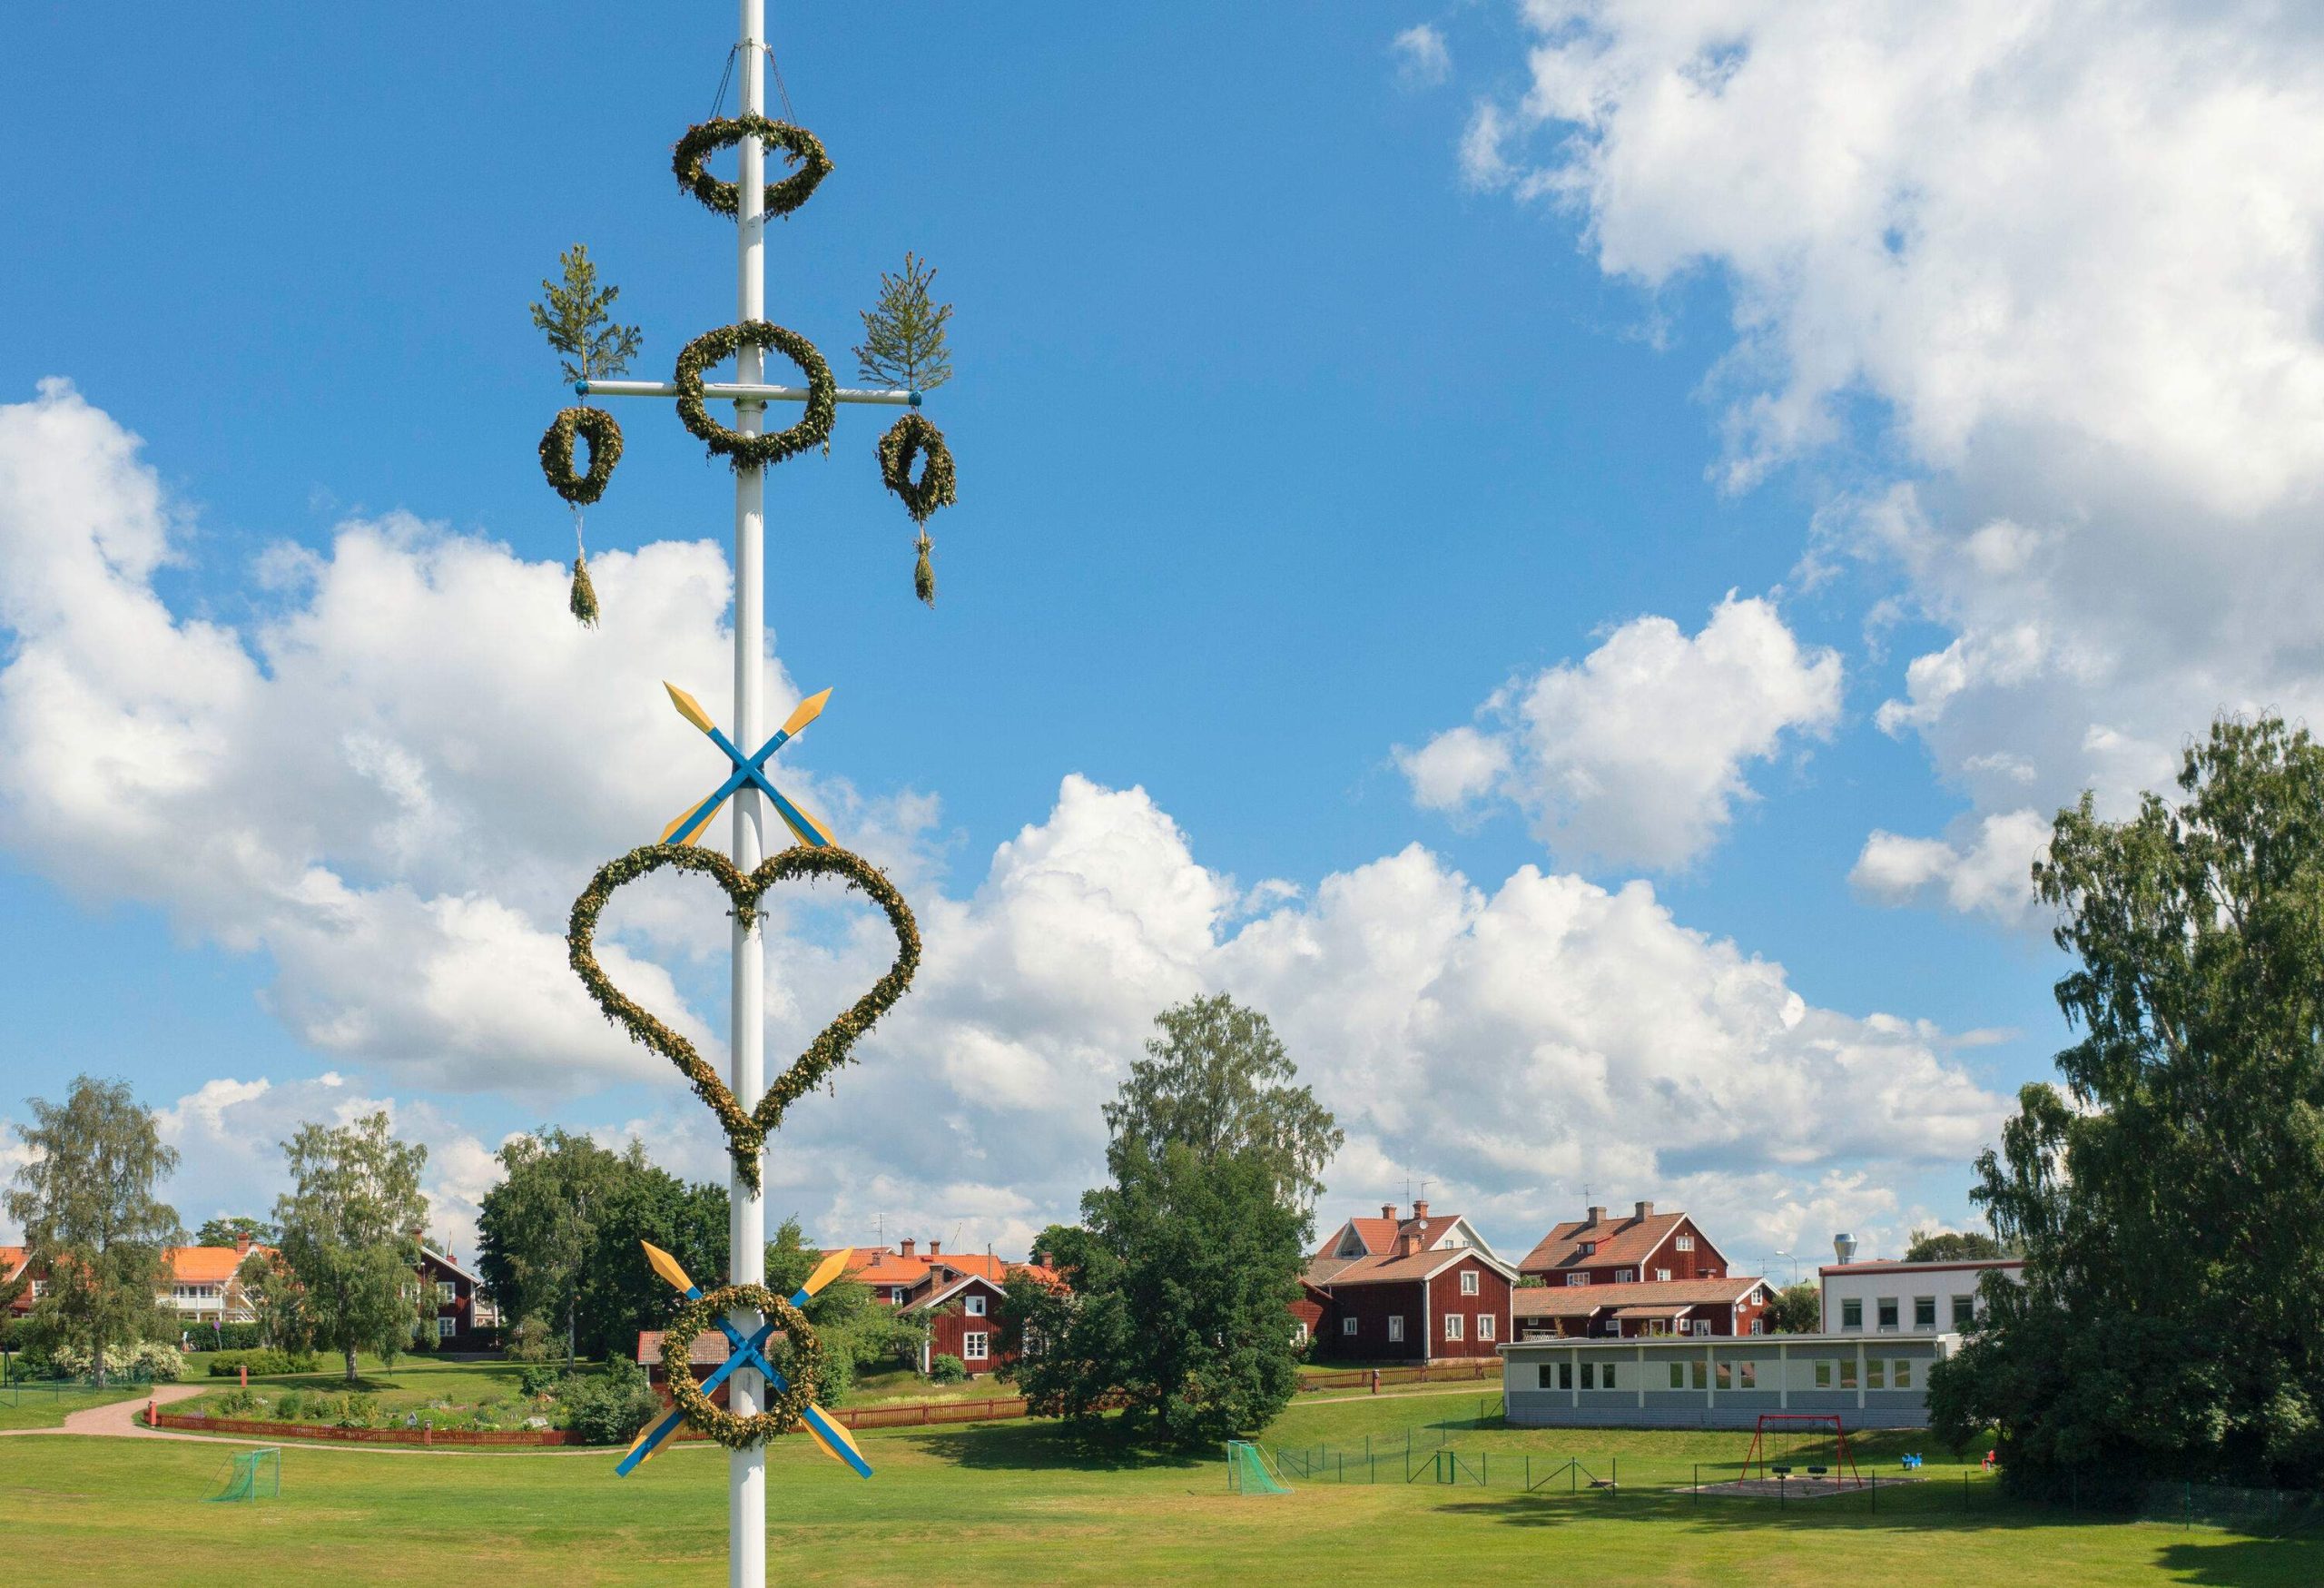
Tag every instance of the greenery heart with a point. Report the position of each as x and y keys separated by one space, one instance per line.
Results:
x=746 y=1130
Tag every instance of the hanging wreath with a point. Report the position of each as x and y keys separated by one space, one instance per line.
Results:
x=908 y=439
x=713 y=347
x=746 y=1128
x=557 y=453
x=802 y=1368
x=691 y=162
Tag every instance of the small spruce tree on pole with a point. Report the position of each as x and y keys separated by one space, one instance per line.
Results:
x=905 y=344
x=577 y=318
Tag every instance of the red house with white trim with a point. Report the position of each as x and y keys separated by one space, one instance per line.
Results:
x=1424 y=1288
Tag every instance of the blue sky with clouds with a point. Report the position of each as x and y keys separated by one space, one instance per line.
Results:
x=1567 y=551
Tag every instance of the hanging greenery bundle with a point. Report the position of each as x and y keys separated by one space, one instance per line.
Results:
x=746 y=1128
x=910 y=437
x=603 y=435
x=713 y=347
x=577 y=320
x=801 y=1362
x=691 y=161
x=583 y=602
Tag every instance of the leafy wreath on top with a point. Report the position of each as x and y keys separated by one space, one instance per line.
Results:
x=803 y=1371
x=604 y=436
x=747 y=1129
x=713 y=347
x=691 y=160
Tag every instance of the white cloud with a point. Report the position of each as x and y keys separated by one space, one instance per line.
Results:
x=1987 y=872
x=393 y=786
x=1422 y=61
x=1636 y=754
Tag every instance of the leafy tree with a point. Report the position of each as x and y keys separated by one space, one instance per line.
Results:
x=2170 y=1201
x=351 y=1226
x=538 y=1226
x=1799 y=1309
x=858 y=1330
x=618 y=1294
x=227 y=1231
x=278 y=1302
x=905 y=342
x=1218 y=1081
x=92 y=1223
x=1952 y=1246
x=579 y=322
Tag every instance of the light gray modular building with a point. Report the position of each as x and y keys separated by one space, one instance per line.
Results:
x=1877 y=1381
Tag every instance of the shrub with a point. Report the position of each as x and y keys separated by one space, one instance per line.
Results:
x=237 y=1402
x=536 y=1378
x=226 y=1363
x=947 y=1369
x=611 y=1406
x=155 y=1359
x=529 y=1341
x=232 y=1337
x=290 y=1406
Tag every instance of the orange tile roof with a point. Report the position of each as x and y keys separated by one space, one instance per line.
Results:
x=205 y=1265
x=878 y=1267
x=11 y=1258
x=1624 y=1238
x=1377 y=1234
x=1556 y=1300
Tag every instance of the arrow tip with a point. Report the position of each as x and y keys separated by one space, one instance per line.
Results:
x=688 y=707
x=807 y=711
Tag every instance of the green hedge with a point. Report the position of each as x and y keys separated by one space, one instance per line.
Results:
x=228 y=1364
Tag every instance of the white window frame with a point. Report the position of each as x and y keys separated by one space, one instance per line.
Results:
x=1964 y=1304
x=1626 y=1276
x=1846 y=1303
x=1685 y=1243
x=446 y=1292
x=1885 y=1311
x=976 y=1306
x=1900 y=1373
x=1468 y=1281
x=1347 y=1327
x=1299 y=1331
x=973 y=1347
x=1395 y=1328
x=1485 y=1326
x=1920 y=1304
x=1662 y=1276
x=446 y=1327
x=1573 y=1279
x=1453 y=1328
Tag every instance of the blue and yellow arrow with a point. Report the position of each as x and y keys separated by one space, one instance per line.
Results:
x=750 y=772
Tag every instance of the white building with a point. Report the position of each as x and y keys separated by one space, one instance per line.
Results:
x=1906 y=1298
x=1721 y=1382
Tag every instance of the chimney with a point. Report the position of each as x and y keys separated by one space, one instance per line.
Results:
x=1420 y=1212
x=1597 y=1216
x=1646 y=1211
x=242 y=1245
x=1388 y=1211
x=1844 y=1248
x=1408 y=1243
x=935 y=1249
x=909 y=1243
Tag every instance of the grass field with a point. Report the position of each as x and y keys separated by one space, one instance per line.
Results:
x=33 y=1408
x=1024 y=1503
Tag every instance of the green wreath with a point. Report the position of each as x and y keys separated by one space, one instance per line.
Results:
x=746 y=1128
x=802 y=1367
x=691 y=160
x=557 y=453
x=908 y=439
x=713 y=347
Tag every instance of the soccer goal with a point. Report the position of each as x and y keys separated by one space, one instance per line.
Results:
x=255 y=1475
x=1794 y=1450
x=1247 y=1471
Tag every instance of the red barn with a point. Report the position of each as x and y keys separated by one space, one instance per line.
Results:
x=1419 y=1289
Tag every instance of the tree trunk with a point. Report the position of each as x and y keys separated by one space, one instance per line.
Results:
x=97 y=1355
x=350 y=1365
x=572 y=1312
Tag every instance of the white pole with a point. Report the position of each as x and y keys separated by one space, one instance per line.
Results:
x=746 y=1469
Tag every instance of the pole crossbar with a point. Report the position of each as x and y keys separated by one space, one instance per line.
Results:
x=744 y=391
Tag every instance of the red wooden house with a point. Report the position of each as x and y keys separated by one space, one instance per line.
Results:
x=1732 y=1305
x=1640 y=1248
x=466 y=1317
x=1418 y=1289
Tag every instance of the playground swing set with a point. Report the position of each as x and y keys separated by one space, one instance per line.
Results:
x=1766 y=1464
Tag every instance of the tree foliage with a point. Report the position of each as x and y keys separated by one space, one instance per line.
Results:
x=905 y=340
x=1182 y=1272
x=350 y=1229
x=537 y=1227
x=1799 y=1309
x=278 y=1302
x=92 y=1224
x=577 y=318
x=1952 y=1246
x=618 y=1294
x=227 y=1231
x=2170 y=1201
x=857 y=1329
x=1219 y=1080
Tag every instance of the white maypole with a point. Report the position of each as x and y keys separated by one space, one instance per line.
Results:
x=746 y=1231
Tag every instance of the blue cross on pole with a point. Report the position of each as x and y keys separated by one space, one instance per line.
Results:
x=750 y=772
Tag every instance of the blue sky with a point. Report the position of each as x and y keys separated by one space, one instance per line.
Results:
x=1322 y=371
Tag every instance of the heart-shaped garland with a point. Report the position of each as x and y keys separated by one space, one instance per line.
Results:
x=802 y=1369
x=746 y=1132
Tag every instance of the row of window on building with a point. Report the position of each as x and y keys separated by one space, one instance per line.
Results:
x=1455 y=1326
x=1830 y=1373
x=1884 y=1311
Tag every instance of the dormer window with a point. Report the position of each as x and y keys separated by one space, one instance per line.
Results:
x=1588 y=1247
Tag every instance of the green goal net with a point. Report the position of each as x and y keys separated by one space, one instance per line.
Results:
x=256 y=1474
x=1247 y=1471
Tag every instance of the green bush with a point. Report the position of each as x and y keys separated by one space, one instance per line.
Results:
x=947 y=1369
x=537 y=1378
x=227 y=1363
x=290 y=1406
x=237 y=1402
x=611 y=1406
x=155 y=1359
x=232 y=1337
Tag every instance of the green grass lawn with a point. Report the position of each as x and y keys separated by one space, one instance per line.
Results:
x=1025 y=1504
x=22 y=1407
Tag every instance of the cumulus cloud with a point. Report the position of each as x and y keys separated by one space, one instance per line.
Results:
x=2067 y=252
x=1422 y=60
x=332 y=789
x=1985 y=871
x=1636 y=754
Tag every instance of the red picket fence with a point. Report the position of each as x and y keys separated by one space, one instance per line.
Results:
x=1441 y=1373
x=431 y=1436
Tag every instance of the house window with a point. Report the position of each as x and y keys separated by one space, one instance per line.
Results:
x=976 y=1306
x=1925 y=1314
x=1965 y=1313
x=1848 y=1373
x=1588 y=1247
x=1823 y=1375
x=1484 y=1326
x=1887 y=1308
x=1608 y=1376
x=896 y=1295
x=1876 y=1373
x=1546 y=1377
x=1469 y=1282
x=1577 y=1279
x=1685 y=1243
x=1747 y=1374
x=1347 y=1327
x=446 y=1327
x=1723 y=1375
x=1662 y=1276
x=1589 y=1376
x=1565 y=1376
x=1625 y=1276
x=972 y=1345
x=1678 y=1376
x=1701 y=1374
x=1299 y=1332
x=1903 y=1377
x=446 y=1292
x=1451 y=1326
x=1852 y=1313
x=1395 y=1328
